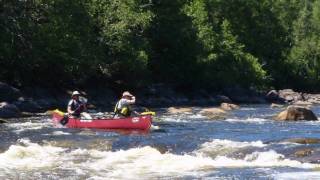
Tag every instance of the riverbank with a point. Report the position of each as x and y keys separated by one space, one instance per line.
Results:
x=16 y=102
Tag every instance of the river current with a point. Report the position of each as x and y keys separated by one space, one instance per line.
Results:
x=246 y=145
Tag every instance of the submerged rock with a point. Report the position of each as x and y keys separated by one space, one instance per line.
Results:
x=303 y=152
x=174 y=110
x=228 y=106
x=8 y=110
x=213 y=113
x=161 y=148
x=304 y=140
x=295 y=113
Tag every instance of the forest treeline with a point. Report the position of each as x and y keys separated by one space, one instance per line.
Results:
x=208 y=44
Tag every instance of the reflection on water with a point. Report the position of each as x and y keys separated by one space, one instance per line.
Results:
x=247 y=145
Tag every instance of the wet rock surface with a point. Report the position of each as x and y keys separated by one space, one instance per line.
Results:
x=213 y=113
x=177 y=110
x=8 y=110
x=296 y=113
x=229 y=107
x=304 y=140
x=289 y=96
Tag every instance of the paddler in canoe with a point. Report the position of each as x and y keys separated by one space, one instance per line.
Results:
x=123 y=107
x=75 y=105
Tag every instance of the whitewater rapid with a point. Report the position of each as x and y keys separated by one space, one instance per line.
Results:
x=245 y=145
x=146 y=162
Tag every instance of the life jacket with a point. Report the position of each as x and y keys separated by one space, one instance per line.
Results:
x=77 y=107
x=124 y=111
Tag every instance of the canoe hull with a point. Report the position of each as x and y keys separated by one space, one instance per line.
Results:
x=139 y=122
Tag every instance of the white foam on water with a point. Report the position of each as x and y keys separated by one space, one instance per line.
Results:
x=248 y=108
x=183 y=117
x=262 y=159
x=297 y=176
x=57 y=133
x=25 y=126
x=146 y=162
x=173 y=119
x=311 y=122
x=248 y=120
x=154 y=127
x=222 y=147
x=197 y=116
x=28 y=155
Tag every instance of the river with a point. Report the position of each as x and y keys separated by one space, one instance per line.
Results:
x=246 y=145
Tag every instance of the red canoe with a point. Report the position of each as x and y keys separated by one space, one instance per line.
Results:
x=140 y=122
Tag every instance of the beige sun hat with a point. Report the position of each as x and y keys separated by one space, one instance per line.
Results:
x=75 y=93
x=126 y=93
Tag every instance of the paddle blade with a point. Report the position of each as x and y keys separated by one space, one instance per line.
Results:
x=64 y=120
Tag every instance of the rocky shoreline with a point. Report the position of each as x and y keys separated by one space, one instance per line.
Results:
x=23 y=102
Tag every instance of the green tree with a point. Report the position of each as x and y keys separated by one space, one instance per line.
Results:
x=122 y=27
x=174 y=45
x=304 y=56
x=223 y=59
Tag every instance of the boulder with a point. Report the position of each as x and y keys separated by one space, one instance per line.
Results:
x=291 y=96
x=8 y=93
x=27 y=105
x=303 y=152
x=303 y=103
x=295 y=113
x=174 y=110
x=228 y=106
x=213 y=113
x=274 y=97
x=8 y=110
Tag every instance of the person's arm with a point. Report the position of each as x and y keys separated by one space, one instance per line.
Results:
x=69 y=108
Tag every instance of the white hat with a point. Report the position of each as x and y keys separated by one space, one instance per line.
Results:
x=75 y=93
x=126 y=93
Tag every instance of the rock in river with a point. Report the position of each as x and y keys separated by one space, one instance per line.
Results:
x=213 y=113
x=228 y=106
x=304 y=140
x=295 y=113
x=8 y=110
x=174 y=110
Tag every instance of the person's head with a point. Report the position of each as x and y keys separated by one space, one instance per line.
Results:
x=75 y=95
x=126 y=95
